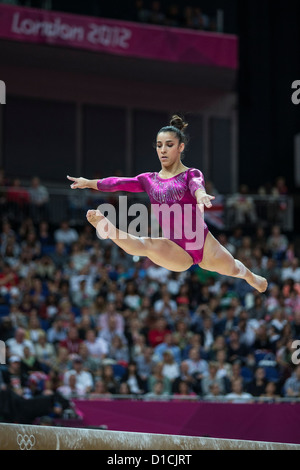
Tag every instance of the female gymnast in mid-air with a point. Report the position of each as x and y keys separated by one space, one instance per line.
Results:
x=175 y=184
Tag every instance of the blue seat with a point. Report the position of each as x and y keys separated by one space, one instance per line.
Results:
x=272 y=374
x=4 y=310
x=247 y=374
x=119 y=371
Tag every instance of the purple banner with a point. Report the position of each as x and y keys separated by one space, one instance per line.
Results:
x=118 y=37
x=255 y=421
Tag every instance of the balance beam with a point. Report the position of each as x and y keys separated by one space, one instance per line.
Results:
x=32 y=437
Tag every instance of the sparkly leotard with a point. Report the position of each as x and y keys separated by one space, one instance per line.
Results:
x=185 y=226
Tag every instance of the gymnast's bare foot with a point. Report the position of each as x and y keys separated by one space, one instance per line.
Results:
x=103 y=226
x=258 y=282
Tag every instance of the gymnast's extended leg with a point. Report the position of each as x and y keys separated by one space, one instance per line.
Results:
x=161 y=251
x=218 y=259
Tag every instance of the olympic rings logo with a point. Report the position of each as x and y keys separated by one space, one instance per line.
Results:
x=25 y=442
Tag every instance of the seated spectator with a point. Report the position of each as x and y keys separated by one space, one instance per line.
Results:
x=224 y=368
x=19 y=342
x=165 y=307
x=57 y=332
x=173 y=18
x=140 y=13
x=241 y=206
x=156 y=14
x=238 y=395
x=72 y=341
x=17 y=198
x=271 y=392
x=62 y=361
x=100 y=390
x=60 y=255
x=211 y=378
x=111 y=312
x=119 y=350
x=157 y=392
x=65 y=234
x=134 y=381
x=108 y=379
x=236 y=350
x=291 y=271
x=214 y=393
x=169 y=344
x=170 y=367
x=157 y=376
x=184 y=390
x=277 y=243
x=45 y=352
x=39 y=200
x=14 y=377
x=84 y=379
x=158 y=333
x=197 y=367
x=72 y=388
x=132 y=299
x=257 y=386
x=29 y=362
x=291 y=387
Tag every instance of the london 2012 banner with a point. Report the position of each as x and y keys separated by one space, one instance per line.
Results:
x=118 y=37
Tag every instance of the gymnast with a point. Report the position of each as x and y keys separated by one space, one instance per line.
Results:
x=175 y=184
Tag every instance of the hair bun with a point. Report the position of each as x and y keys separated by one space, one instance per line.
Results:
x=178 y=122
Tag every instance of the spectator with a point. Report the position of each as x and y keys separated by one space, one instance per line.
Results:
x=100 y=390
x=72 y=387
x=118 y=350
x=17 y=198
x=291 y=271
x=157 y=334
x=271 y=393
x=104 y=318
x=291 y=386
x=156 y=14
x=257 y=386
x=158 y=376
x=197 y=367
x=45 y=352
x=169 y=344
x=72 y=341
x=39 y=200
x=18 y=342
x=13 y=377
x=211 y=378
x=277 y=243
x=109 y=380
x=62 y=362
x=84 y=379
x=238 y=395
x=184 y=390
x=236 y=350
x=170 y=367
x=214 y=393
x=242 y=207
x=65 y=234
x=140 y=12
x=157 y=392
x=134 y=381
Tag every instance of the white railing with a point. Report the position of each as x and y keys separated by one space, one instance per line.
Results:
x=227 y=211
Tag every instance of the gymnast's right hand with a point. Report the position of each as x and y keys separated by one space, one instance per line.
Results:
x=79 y=183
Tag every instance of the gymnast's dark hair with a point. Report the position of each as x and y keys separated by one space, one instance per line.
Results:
x=178 y=126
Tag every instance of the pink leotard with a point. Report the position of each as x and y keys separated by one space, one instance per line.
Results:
x=166 y=193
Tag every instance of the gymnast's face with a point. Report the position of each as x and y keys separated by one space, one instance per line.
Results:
x=168 y=148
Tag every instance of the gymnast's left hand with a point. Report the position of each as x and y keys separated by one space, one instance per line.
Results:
x=204 y=200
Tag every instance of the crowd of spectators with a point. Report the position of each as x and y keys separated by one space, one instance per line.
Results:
x=82 y=318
